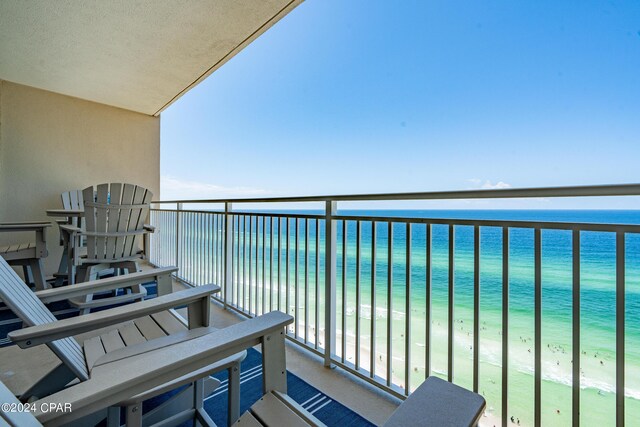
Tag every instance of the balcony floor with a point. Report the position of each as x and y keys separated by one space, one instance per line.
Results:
x=359 y=396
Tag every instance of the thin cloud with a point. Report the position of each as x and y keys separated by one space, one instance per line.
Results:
x=500 y=184
x=478 y=183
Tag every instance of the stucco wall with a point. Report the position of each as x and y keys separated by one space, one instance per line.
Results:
x=50 y=143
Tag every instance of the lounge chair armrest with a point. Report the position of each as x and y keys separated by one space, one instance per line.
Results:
x=111 y=283
x=41 y=334
x=150 y=228
x=24 y=226
x=70 y=229
x=113 y=382
x=440 y=402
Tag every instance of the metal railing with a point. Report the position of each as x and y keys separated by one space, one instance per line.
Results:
x=362 y=288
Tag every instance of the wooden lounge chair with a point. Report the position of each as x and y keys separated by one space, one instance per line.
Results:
x=134 y=370
x=114 y=225
x=435 y=403
x=141 y=326
x=72 y=213
x=28 y=255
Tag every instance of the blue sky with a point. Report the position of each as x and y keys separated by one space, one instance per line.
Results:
x=377 y=96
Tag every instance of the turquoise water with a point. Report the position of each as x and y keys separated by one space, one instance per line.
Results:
x=597 y=314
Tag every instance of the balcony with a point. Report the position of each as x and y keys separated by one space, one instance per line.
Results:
x=537 y=311
x=502 y=302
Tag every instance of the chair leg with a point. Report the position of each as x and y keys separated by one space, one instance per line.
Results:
x=234 y=394
x=28 y=279
x=113 y=416
x=134 y=415
x=37 y=269
x=87 y=272
x=62 y=269
x=71 y=271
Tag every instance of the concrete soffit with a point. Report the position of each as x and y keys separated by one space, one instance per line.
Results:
x=141 y=56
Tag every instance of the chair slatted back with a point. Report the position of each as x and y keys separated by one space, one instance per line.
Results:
x=73 y=200
x=114 y=221
x=26 y=305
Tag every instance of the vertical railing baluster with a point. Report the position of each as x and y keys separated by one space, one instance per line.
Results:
x=206 y=245
x=192 y=247
x=450 y=314
x=198 y=237
x=296 y=265
x=620 y=326
x=184 y=246
x=250 y=290
x=271 y=263
x=192 y=244
x=244 y=261
x=537 y=369
x=306 y=280
x=178 y=209
x=279 y=264
x=212 y=245
x=237 y=263
x=407 y=319
x=221 y=230
x=286 y=282
x=317 y=282
x=198 y=276
x=256 y=305
x=264 y=246
x=389 y=301
x=427 y=325
x=344 y=290
x=476 y=308
x=220 y=254
x=358 y=243
x=505 y=323
x=372 y=349
x=228 y=253
x=210 y=256
x=195 y=253
x=218 y=258
x=575 y=364
x=215 y=257
x=330 y=251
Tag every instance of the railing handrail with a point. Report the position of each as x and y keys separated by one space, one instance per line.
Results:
x=501 y=193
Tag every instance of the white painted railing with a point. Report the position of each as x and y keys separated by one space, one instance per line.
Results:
x=345 y=276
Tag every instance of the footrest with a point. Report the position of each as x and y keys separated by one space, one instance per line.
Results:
x=439 y=403
x=277 y=409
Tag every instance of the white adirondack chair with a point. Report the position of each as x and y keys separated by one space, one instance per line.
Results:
x=114 y=223
x=138 y=327
x=118 y=375
x=72 y=201
x=28 y=255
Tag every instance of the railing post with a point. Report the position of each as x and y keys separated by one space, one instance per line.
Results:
x=178 y=209
x=228 y=253
x=330 y=265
